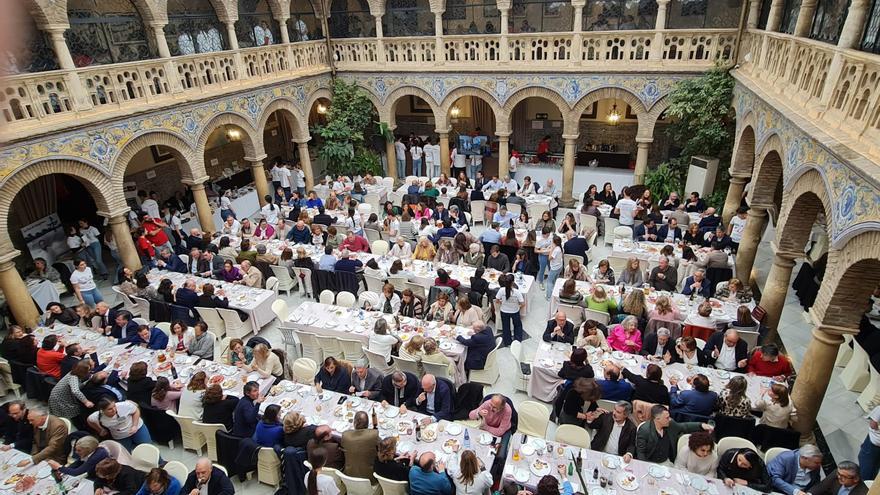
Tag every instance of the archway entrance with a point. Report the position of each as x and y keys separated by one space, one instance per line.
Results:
x=472 y=136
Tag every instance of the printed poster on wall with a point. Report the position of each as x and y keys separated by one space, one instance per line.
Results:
x=45 y=238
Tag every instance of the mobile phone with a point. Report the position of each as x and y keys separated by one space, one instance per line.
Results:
x=341 y=400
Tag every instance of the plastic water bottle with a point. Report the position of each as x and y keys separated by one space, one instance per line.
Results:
x=467 y=440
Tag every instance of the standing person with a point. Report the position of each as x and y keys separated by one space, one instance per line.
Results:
x=416 y=151
x=513 y=164
x=512 y=302
x=121 y=421
x=544 y=149
x=554 y=262
x=737 y=227
x=92 y=245
x=869 y=453
x=84 y=285
x=400 y=157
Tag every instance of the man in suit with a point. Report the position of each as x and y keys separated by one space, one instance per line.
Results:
x=50 y=434
x=647 y=231
x=206 y=475
x=559 y=329
x=726 y=351
x=575 y=245
x=186 y=296
x=208 y=299
x=16 y=430
x=150 y=337
x=709 y=221
x=171 y=262
x=796 y=471
x=657 y=438
x=613 y=388
x=360 y=445
x=479 y=345
x=123 y=326
x=209 y=265
x=108 y=316
x=400 y=388
x=196 y=239
x=617 y=425
x=436 y=399
x=695 y=203
x=658 y=344
x=323 y=218
x=103 y=385
x=252 y=275
x=365 y=381
x=479 y=182
x=246 y=413
x=73 y=354
x=716 y=258
x=670 y=232
x=845 y=480
x=447 y=231
x=697 y=284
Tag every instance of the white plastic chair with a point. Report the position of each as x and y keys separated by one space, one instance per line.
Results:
x=304 y=275
x=352 y=350
x=286 y=283
x=416 y=289
x=235 y=328
x=406 y=364
x=191 y=439
x=304 y=370
x=522 y=380
x=610 y=225
x=165 y=327
x=772 y=452
x=478 y=211
x=378 y=361
x=683 y=440
x=728 y=443
x=326 y=297
x=489 y=374
x=310 y=347
x=566 y=258
x=869 y=396
x=208 y=432
x=844 y=353
x=357 y=486
x=279 y=307
x=533 y=418
x=145 y=456
x=573 y=435
x=588 y=221
x=623 y=232
x=141 y=321
x=373 y=235
x=184 y=258
x=177 y=470
x=600 y=316
x=391 y=487
x=345 y=299
x=437 y=369
x=399 y=283
x=268 y=467
x=374 y=283
x=68 y=424
x=855 y=376
x=213 y=319
x=142 y=306
x=379 y=247
x=127 y=303
x=575 y=314
x=329 y=346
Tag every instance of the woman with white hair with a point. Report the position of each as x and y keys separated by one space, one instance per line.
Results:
x=474 y=256
x=626 y=336
x=401 y=248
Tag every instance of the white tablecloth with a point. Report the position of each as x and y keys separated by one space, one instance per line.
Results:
x=43 y=293
x=257 y=303
x=42 y=473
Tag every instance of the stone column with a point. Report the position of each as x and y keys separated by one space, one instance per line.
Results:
x=17 y=296
x=734 y=197
x=567 y=199
x=774 y=17
x=233 y=45
x=124 y=243
x=445 y=166
x=775 y=290
x=659 y=27
x=503 y=154
x=158 y=29
x=805 y=18
x=391 y=153
x=850 y=37
x=748 y=247
x=380 y=42
x=65 y=62
x=260 y=181
x=282 y=24
x=439 y=49
x=644 y=145
x=577 y=42
x=305 y=159
x=203 y=208
x=504 y=9
x=754 y=14
x=814 y=374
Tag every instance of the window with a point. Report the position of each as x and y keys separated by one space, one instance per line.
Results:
x=543 y=16
x=30 y=51
x=828 y=20
x=106 y=32
x=471 y=17
x=351 y=19
x=193 y=27
x=408 y=18
x=790 y=11
x=699 y=14
x=765 y=14
x=304 y=25
x=255 y=25
x=609 y=15
x=871 y=39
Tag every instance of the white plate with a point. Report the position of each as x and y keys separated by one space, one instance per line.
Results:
x=699 y=484
x=485 y=439
x=453 y=429
x=521 y=475
x=392 y=412
x=723 y=374
x=44 y=471
x=633 y=483
x=527 y=450
x=597 y=490
x=355 y=402
x=611 y=462
x=405 y=447
x=446 y=345
x=618 y=355
x=659 y=471
x=547 y=363
x=540 y=472
x=538 y=444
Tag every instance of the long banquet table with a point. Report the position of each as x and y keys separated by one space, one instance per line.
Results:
x=356 y=324
x=722 y=311
x=538 y=458
x=650 y=251
x=44 y=483
x=549 y=358
x=120 y=357
x=326 y=409
x=257 y=303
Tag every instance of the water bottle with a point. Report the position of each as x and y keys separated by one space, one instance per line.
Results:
x=467 y=440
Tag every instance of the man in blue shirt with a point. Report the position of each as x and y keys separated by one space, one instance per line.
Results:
x=425 y=480
x=491 y=235
x=447 y=231
x=613 y=388
x=503 y=217
x=493 y=185
x=699 y=401
x=796 y=471
x=300 y=234
x=327 y=261
x=151 y=338
x=697 y=284
x=245 y=415
x=348 y=264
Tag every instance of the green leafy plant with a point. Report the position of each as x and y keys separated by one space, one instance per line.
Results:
x=667 y=177
x=344 y=136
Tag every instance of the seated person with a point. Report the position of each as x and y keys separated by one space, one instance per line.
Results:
x=496 y=414
x=613 y=388
x=559 y=329
x=579 y=403
x=767 y=361
x=697 y=284
x=333 y=376
x=479 y=345
x=743 y=466
x=657 y=438
x=149 y=337
x=699 y=401
x=400 y=389
x=613 y=431
x=348 y=262
x=647 y=231
x=659 y=345
x=576 y=366
x=727 y=351
x=435 y=400
x=794 y=472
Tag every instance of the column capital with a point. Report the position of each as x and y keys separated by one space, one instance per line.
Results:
x=663 y=2
x=256 y=159
x=115 y=212
x=739 y=178
x=56 y=29
x=644 y=140
x=302 y=141
x=116 y=219
x=758 y=210
x=158 y=24
x=441 y=132
x=570 y=137
x=578 y=4
x=832 y=335
x=7 y=259
x=196 y=182
x=785 y=259
x=505 y=135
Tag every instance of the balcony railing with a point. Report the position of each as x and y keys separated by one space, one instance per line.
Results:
x=608 y=50
x=48 y=96
x=819 y=80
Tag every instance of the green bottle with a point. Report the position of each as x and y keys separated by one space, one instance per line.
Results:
x=570 y=469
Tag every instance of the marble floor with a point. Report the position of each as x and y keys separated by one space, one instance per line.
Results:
x=842 y=421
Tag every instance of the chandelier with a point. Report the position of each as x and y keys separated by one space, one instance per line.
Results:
x=455 y=112
x=613 y=115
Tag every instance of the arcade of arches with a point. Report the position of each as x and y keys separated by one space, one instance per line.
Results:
x=187 y=100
